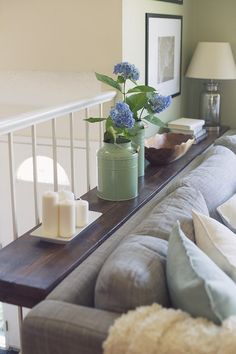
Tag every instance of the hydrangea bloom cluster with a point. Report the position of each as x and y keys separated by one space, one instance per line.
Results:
x=122 y=116
x=127 y=71
x=139 y=102
x=159 y=103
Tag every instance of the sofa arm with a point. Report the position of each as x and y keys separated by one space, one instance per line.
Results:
x=59 y=327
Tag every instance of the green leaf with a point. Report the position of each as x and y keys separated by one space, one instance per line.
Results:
x=109 y=123
x=142 y=88
x=151 y=118
x=111 y=131
x=94 y=120
x=108 y=81
x=121 y=79
x=137 y=101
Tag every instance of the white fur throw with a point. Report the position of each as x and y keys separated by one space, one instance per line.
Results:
x=157 y=330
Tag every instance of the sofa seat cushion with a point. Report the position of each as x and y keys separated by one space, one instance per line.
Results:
x=215 y=178
x=196 y=284
x=217 y=241
x=177 y=205
x=133 y=275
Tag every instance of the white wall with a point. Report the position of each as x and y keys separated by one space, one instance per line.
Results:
x=70 y=35
x=64 y=35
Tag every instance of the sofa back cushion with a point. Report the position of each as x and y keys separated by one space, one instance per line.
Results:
x=228 y=141
x=133 y=275
x=215 y=178
x=177 y=205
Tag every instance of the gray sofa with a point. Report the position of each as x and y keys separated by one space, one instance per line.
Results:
x=128 y=270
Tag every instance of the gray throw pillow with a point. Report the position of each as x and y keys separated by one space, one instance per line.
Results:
x=196 y=284
x=177 y=205
x=133 y=275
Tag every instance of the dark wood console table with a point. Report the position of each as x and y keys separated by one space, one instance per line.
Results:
x=30 y=268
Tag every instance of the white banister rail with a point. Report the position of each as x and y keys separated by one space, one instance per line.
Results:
x=74 y=145
x=10 y=125
x=26 y=120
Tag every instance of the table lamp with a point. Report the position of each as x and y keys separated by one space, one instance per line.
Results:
x=211 y=61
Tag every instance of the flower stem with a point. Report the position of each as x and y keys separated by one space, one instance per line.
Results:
x=124 y=93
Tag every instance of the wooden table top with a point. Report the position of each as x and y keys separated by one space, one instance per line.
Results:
x=30 y=268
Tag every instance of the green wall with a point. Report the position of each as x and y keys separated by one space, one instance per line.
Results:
x=213 y=20
x=133 y=40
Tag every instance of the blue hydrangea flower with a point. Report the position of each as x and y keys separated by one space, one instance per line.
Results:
x=159 y=103
x=127 y=70
x=122 y=116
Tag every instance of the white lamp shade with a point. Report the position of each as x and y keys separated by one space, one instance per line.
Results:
x=212 y=60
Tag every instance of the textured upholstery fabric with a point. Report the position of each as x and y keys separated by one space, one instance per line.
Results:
x=56 y=327
x=227 y=141
x=227 y=212
x=177 y=205
x=217 y=241
x=215 y=178
x=196 y=284
x=133 y=275
x=78 y=286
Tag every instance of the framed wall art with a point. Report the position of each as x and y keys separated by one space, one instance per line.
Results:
x=163 y=53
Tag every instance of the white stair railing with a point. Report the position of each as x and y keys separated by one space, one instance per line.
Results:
x=31 y=120
x=9 y=128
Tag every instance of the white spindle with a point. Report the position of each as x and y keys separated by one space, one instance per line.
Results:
x=54 y=149
x=72 y=155
x=35 y=173
x=12 y=185
x=87 y=150
x=20 y=319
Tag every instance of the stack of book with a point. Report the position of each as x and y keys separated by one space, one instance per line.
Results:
x=189 y=126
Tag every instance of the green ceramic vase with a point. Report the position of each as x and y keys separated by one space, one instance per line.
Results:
x=117 y=172
x=138 y=141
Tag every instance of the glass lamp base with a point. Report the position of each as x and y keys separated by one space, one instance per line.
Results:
x=210 y=106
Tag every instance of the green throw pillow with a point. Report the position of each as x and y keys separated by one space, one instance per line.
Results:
x=196 y=284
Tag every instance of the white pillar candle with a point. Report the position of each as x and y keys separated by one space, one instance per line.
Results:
x=66 y=195
x=66 y=218
x=82 y=212
x=50 y=214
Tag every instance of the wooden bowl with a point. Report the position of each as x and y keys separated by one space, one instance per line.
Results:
x=162 y=149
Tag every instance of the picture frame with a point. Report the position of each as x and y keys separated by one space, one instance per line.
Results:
x=180 y=2
x=164 y=53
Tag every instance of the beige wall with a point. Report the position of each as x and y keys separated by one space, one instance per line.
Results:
x=85 y=35
x=134 y=39
x=214 y=20
x=70 y=35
